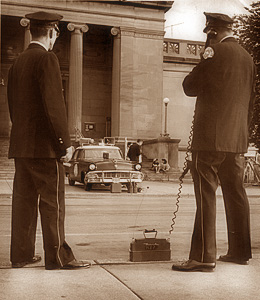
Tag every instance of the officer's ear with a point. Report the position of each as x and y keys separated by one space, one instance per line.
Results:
x=212 y=33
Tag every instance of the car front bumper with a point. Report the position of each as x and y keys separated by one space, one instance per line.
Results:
x=113 y=176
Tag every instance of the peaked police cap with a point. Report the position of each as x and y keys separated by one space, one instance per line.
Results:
x=42 y=18
x=217 y=20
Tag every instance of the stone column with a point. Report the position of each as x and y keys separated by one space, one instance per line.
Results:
x=27 y=35
x=75 y=77
x=115 y=103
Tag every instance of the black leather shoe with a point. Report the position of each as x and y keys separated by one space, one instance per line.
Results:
x=194 y=266
x=33 y=260
x=76 y=265
x=229 y=258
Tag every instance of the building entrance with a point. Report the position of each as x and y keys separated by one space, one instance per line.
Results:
x=96 y=58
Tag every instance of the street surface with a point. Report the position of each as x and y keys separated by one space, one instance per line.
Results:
x=100 y=225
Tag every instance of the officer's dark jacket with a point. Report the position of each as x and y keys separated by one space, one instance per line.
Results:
x=224 y=86
x=36 y=105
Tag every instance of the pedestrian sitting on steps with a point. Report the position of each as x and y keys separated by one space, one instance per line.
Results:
x=156 y=165
x=164 y=166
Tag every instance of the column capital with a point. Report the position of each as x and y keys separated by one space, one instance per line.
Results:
x=25 y=22
x=115 y=31
x=77 y=27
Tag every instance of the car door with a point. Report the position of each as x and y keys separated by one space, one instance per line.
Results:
x=74 y=169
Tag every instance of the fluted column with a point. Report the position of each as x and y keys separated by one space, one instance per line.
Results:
x=115 y=103
x=27 y=35
x=75 y=77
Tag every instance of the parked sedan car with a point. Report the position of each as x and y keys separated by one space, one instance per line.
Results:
x=102 y=164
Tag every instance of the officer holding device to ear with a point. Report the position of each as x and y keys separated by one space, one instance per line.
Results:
x=39 y=139
x=223 y=83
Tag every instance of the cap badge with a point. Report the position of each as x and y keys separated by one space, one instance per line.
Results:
x=208 y=53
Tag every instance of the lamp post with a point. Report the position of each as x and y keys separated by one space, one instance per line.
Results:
x=165 y=101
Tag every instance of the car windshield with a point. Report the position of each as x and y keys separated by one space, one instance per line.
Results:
x=98 y=153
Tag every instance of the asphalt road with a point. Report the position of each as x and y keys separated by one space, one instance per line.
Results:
x=101 y=225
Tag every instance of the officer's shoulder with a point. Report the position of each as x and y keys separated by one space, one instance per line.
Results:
x=48 y=60
x=215 y=50
x=48 y=56
x=208 y=53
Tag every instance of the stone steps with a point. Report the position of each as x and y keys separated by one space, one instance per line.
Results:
x=150 y=175
x=171 y=175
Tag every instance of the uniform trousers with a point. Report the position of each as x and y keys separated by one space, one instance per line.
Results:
x=39 y=183
x=210 y=168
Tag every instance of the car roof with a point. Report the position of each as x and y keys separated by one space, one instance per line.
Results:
x=98 y=147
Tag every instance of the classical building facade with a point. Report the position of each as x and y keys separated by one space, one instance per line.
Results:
x=116 y=66
x=111 y=59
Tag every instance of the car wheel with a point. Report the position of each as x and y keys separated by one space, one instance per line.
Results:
x=88 y=186
x=71 y=182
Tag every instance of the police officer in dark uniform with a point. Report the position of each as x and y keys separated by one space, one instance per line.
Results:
x=223 y=83
x=134 y=151
x=39 y=139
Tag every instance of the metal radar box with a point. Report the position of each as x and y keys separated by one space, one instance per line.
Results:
x=150 y=248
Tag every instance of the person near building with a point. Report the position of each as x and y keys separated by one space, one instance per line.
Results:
x=134 y=152
x=39 y=140
x=223 y=83
x=156 y=165
x=164 y=166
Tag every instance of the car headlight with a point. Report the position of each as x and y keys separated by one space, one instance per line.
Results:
x=91 y=175
x=138 y=167
x=92 y=167
x=137 y=176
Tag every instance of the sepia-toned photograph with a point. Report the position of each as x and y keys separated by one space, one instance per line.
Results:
x=130 y=150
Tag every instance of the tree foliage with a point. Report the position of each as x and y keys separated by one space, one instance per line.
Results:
x=247 y=30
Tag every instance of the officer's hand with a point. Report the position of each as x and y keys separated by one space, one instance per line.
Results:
x=69 y=153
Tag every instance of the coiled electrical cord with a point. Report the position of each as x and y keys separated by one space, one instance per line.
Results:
x=185 y=166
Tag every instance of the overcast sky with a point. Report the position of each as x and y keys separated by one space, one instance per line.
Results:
x=185 y=20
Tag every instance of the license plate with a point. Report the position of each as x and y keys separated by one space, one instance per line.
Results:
x=115 y=180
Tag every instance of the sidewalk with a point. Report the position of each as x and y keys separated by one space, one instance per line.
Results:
x=148 y=281
x=128 y=280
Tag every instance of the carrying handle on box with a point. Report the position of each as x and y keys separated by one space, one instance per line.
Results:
x=150 y=231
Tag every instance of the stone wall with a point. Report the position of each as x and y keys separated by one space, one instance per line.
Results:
x=180 y=107
x=141 y=85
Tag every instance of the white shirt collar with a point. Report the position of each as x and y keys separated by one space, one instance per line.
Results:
x=39 y=43
x=226 y=37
